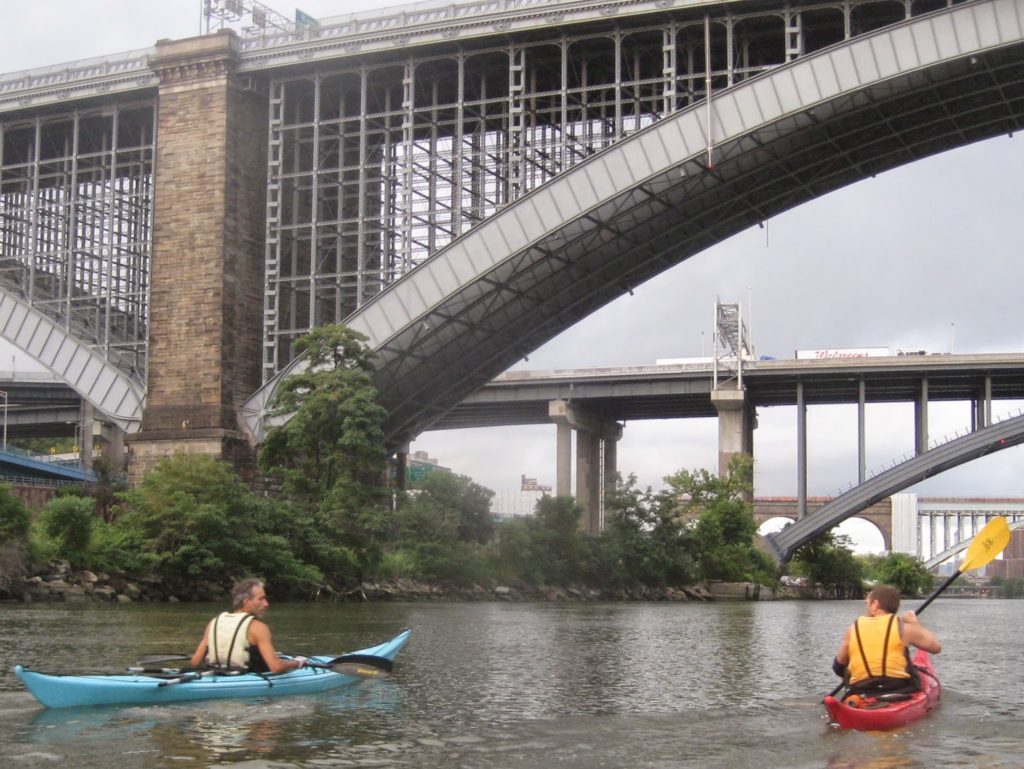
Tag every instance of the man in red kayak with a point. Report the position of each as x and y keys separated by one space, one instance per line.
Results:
x=238 y=639
x=874 y=652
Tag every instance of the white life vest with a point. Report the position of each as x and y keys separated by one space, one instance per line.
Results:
x=227 y=645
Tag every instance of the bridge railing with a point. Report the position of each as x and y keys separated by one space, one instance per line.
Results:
x=40 y=457
x=391 y=19
x=27 y=480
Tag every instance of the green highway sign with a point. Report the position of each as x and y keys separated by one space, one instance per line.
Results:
x=305 y=20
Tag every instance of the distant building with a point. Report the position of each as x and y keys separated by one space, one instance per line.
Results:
x=420 y=463
x=1012 y=562
x=508 y=504
x=530 y=484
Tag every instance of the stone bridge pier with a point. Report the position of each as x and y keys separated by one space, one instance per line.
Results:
x=208 y=242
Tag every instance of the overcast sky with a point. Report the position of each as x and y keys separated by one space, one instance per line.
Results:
x=927 y=256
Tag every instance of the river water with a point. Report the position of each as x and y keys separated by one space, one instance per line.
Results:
x=516 y=686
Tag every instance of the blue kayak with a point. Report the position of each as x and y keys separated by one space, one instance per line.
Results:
x=74 y=691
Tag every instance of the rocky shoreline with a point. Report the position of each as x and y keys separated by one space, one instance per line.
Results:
x=63 y=584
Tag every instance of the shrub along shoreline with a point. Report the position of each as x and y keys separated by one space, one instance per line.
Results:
x=61 y=583
x=192 y=527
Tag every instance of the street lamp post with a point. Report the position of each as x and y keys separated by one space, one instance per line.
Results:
x=3 y=394
x=77 y=447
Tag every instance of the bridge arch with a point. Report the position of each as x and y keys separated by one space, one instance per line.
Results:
x=878 y=515
x=651 y=201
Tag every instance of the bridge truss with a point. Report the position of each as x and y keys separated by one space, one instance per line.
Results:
x=377 y=164
x=76 y=212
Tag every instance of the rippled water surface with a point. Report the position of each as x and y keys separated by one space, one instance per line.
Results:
x=522 y=685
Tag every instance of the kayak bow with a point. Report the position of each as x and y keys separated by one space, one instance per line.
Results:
x=72 y=691
x=876 y=714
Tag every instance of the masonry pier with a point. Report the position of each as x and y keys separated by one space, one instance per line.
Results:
x=208 y=251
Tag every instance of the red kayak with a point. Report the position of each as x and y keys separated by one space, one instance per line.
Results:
x=888 y=711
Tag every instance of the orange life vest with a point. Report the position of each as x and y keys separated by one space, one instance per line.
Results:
x=876 y=649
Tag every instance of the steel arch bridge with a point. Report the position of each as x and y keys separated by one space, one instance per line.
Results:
x=676 y=187
x=585 y=148
x=986 y=440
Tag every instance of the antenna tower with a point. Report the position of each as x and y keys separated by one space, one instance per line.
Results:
x=732 y=345
x=219 y=14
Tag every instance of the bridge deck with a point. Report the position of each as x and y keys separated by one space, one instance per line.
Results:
x=684 y=390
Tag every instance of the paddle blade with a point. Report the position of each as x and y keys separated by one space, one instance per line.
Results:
x=987 y=544
x=369 y=660
x=357 y=669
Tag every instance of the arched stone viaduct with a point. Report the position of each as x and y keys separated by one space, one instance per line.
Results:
x=879 y=513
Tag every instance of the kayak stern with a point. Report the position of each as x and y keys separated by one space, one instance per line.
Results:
x=875 y=714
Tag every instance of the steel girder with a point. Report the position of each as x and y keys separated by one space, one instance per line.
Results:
x=650 y=202
x=114 y=394
x=684 y=390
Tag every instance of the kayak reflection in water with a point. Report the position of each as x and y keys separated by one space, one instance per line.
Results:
x=874 y=655
x=238 y=639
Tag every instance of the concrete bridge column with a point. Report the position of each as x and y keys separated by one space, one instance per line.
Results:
x=921 y=419
x=735 y=426
x=112 y=442
x=208 y=241
x=981 y=412
x=592 y=433
x=588 y=448
x=801 y=451
x=401 y=462
x=563 y=460
x=862 y=455
x=85 y=436
x=611 y=465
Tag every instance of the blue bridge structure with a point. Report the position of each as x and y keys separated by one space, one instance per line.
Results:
x=21 y=467
x=458 y=182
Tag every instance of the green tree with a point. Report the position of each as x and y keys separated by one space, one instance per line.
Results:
x=193 y=520
x=902 y=571
x=334 y=435
x=829 y=560
x=46 y=445
x=725 y=527
x=556 y=540
x=464 y=506
x=14 y=534
x=513 y=551
x=439 y=528
x=646 y=540
x=1013 y=587
x=68 y=522
x=330 y=454
x=110 y=481
x=14 y=516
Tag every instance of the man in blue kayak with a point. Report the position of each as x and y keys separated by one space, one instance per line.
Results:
x=874 y=652
x=239 y=639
